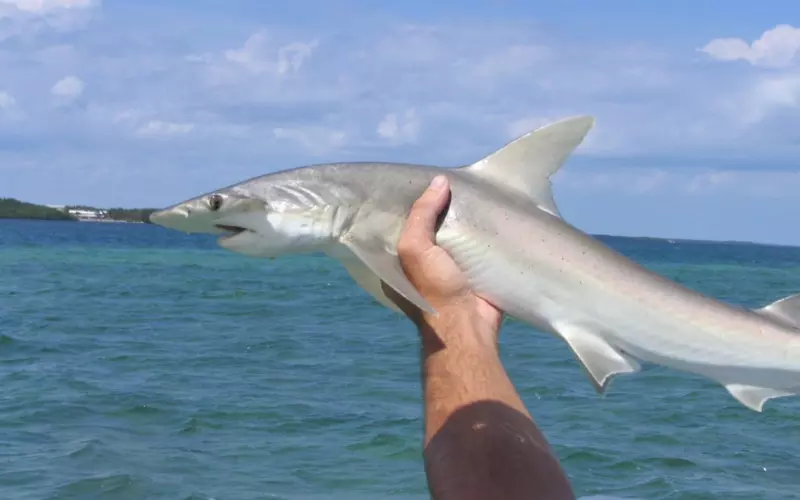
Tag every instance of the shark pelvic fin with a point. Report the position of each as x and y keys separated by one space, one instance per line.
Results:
x=599 y=358
x=785 y=310
x=755 y=397
x=526 y=164
x=386 y=266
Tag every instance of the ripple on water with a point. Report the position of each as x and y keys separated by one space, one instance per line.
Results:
x=121 y=486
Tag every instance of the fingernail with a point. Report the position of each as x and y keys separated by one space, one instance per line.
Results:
x=438 y=182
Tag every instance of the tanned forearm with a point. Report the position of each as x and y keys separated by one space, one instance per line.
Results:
x=480 y=441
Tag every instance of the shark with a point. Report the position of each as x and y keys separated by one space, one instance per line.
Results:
x=505 y=231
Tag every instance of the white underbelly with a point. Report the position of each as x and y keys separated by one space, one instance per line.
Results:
x=544 y=295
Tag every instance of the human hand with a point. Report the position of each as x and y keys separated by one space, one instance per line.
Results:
x=436 y=275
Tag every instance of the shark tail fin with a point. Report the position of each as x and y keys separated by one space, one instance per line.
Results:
x=785 y=310
x=526 y=164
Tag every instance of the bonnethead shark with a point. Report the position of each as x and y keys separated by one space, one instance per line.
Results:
x=504 y=230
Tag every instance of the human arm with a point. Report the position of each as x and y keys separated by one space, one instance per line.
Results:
x=480 y=440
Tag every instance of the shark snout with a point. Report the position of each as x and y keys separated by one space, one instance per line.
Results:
x=172 y=218
x=182 y=219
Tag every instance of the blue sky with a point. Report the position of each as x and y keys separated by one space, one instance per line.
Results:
x=144 y=103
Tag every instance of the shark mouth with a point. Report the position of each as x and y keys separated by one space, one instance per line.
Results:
x=232 y=231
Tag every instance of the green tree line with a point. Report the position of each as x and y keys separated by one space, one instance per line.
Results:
x=11 y=208
x=15 y=209
x=131 y=214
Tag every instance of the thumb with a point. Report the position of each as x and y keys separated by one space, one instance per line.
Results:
x=421 y=222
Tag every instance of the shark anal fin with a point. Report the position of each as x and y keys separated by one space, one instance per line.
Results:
x=375 y=255
x=786 y=310
x=754 y=397
x=600 y=360
x=526 y=164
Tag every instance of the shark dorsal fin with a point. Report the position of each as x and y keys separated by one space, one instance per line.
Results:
x=526 y=164
x=786 y=310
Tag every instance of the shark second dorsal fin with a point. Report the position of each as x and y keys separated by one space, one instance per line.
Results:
x=526 y=164
x=786 y=310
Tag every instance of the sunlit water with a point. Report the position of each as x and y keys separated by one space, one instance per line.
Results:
x=139 y=363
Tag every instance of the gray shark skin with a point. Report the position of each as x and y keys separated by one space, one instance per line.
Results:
x=505 y=232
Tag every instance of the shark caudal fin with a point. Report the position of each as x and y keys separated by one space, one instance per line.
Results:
x=526 y=164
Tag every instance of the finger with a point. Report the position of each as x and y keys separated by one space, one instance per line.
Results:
x=421 y=222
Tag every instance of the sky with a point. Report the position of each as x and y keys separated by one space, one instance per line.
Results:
x=145 y=103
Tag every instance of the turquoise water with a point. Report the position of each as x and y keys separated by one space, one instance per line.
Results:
x=139 y=363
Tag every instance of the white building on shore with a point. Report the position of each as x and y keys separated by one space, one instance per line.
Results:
x=82 y=214
x=85 y=214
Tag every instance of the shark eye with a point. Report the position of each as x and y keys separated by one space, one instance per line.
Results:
x=215 y=202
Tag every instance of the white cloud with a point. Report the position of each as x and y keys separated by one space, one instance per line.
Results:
x=777 y=47
x=7 y=101
x=162 y=128
x=291 y=57
x=69 y=88
x=44 y=6
x=270 y=67
x=708 y=181
x=767 y=96
x=9 y=108
x=30 y=18
x=314 y=139
x=400 y=129
x=765 y=103
x=259 y=55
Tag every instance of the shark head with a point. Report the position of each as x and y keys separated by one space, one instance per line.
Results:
x=255 y=218
x=235 y=216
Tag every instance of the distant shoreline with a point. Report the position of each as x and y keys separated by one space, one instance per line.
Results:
x=11 y=208
x=98 y=221
x=112 y=221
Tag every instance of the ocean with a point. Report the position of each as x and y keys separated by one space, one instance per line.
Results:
x=140 y=363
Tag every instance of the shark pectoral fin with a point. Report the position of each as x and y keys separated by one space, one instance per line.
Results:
x=755 y=397
x=369 y=281
x=599 y=358
x=387 y=268
x=786 y=310
x=526 y=164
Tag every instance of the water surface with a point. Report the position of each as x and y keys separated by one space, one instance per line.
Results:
x=139 y=363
